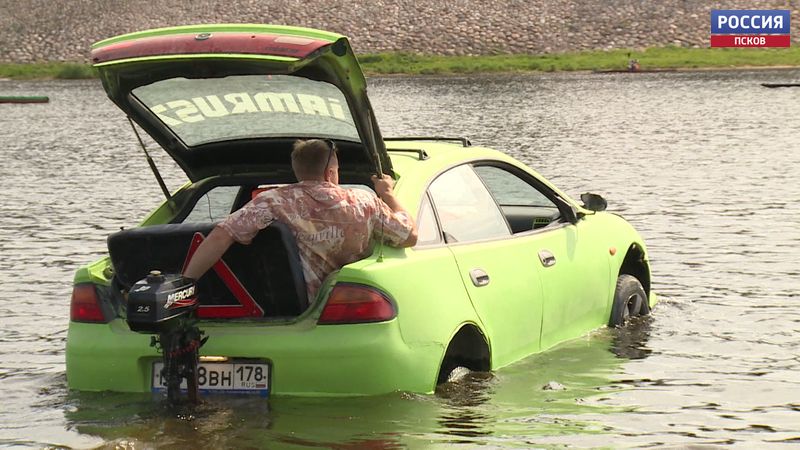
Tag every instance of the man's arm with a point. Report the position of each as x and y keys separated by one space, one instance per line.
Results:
x=384 y=187
x=208 y=253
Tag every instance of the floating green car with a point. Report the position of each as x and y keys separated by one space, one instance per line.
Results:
x=506 y=265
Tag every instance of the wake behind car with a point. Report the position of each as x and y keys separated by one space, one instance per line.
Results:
x=506 y=264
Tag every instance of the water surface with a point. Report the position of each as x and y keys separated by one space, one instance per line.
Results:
x=704 y=164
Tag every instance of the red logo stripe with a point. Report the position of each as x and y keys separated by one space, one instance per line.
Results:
x=215 y=43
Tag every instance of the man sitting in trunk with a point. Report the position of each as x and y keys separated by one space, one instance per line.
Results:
x=333 y=226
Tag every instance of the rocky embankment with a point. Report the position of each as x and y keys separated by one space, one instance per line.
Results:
x=44 y=30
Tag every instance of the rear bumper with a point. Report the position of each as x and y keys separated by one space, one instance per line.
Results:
x=306 y=359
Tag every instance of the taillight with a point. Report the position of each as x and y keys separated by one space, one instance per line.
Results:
x=353 y=303
x=85 y=305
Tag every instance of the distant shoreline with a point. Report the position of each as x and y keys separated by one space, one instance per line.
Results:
x=33 y=33
x=402 y=63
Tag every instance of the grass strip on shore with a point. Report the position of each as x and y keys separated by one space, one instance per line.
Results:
x=419 y=64
x=652 y=58
x=47 y=70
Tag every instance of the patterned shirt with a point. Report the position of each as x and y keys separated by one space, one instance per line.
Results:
x=333 y=226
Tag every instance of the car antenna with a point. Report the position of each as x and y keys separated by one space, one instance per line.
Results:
x=380 y=241
x=379 y=169
x=380 y=211
x=151 y=163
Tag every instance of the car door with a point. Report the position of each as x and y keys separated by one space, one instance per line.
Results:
x=569 y=258
x=498 y=269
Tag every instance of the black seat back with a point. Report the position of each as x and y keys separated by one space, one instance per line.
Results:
x=269 y=269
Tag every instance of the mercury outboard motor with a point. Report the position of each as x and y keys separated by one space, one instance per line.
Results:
x=164 y=304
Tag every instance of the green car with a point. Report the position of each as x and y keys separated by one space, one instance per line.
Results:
x=506 y=265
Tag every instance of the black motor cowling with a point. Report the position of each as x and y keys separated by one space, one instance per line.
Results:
x=156 y=302
x=164 y=304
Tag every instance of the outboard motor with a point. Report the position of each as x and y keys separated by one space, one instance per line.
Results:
x=164 y=304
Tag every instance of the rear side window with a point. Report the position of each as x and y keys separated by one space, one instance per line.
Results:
x=466 y=210
x=427 y=228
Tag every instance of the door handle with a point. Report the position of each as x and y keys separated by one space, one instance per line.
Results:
x=547 y=258
x=479 y=277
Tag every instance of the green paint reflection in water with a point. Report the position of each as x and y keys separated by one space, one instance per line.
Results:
x=508 y=408
x=517 y=404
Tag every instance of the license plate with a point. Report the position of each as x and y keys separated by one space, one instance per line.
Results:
x=232 y=377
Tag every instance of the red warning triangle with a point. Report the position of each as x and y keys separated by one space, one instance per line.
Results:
x=247 y=306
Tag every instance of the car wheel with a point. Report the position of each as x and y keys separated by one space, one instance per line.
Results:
x=630 y=300
x=451 y=370
x=467 y=351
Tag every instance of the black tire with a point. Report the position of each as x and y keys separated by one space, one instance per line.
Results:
x=630 y=300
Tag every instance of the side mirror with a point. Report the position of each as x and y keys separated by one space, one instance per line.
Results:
x=593 y=202
x=567 y=211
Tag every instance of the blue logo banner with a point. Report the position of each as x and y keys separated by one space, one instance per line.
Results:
x=750 y=21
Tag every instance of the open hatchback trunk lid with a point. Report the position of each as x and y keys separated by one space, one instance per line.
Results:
x=231 y=99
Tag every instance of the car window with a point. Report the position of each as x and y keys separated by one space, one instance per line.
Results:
x=466 y=210
x=218 y=203
x=215 y=205
x=509 y=189
x=427 y=228
x=524 y=206
x=202 y=110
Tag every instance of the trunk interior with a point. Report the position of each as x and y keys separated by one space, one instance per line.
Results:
x=268 y=271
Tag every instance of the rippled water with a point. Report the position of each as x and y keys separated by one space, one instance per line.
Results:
x=704 y=164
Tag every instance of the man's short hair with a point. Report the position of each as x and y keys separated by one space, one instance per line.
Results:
x=309 y=158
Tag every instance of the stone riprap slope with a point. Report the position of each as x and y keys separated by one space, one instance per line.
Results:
x=47 y=30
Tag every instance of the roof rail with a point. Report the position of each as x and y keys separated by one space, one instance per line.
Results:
x=422 y=154
x=464 y=141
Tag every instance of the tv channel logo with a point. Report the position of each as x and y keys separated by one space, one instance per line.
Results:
x=750 y=28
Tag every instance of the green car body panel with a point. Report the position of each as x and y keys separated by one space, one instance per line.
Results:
x=525 y=308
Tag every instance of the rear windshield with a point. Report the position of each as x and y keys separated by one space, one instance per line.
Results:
x=200 y=111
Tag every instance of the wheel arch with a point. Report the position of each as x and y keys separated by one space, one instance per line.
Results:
x=636 y=264
x=468 y=347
